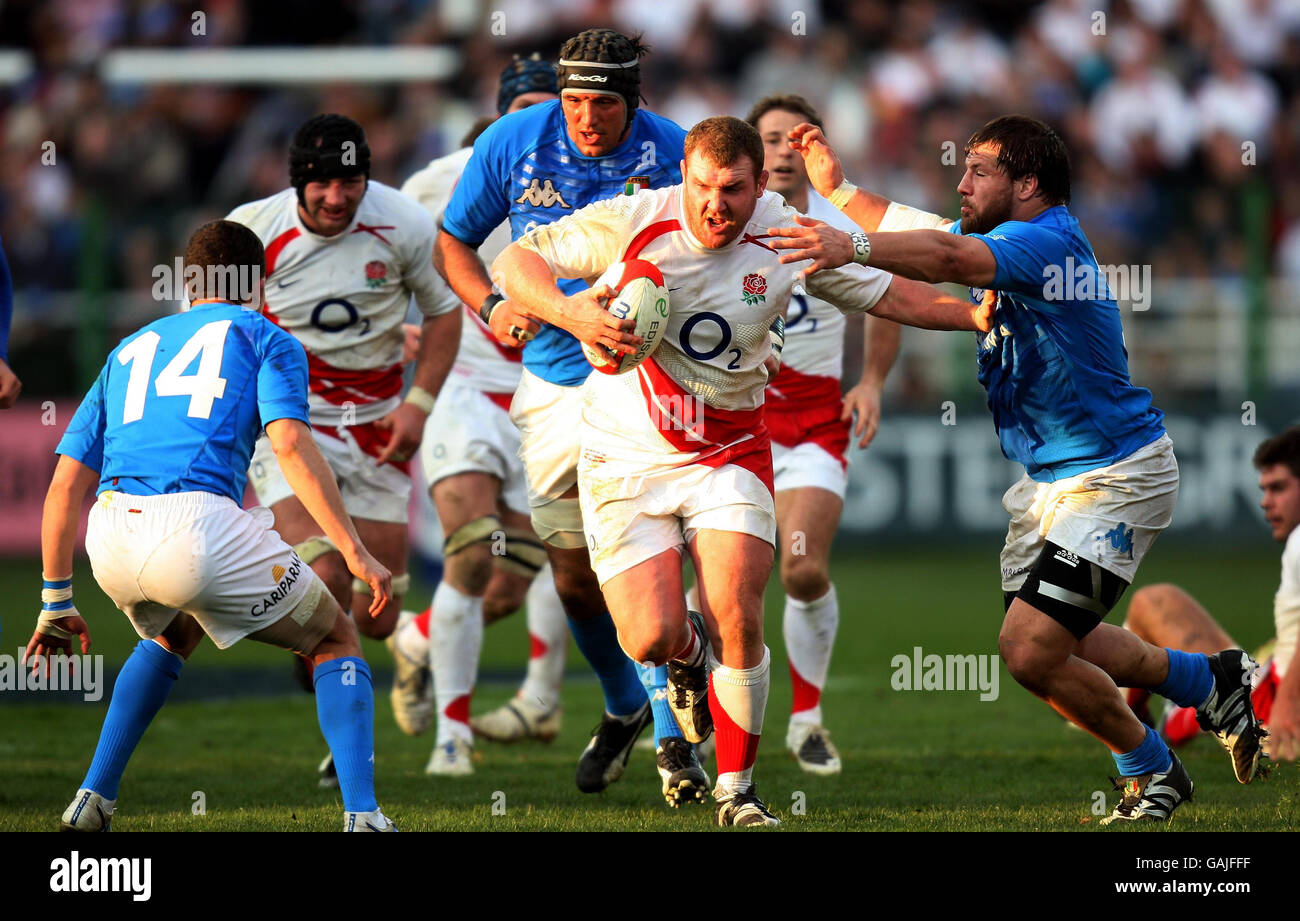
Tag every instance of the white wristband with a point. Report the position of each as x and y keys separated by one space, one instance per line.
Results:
x=861 y=247
x=840 y=197
x=421 y=398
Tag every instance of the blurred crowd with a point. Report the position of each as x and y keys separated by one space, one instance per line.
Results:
x=1182 y=116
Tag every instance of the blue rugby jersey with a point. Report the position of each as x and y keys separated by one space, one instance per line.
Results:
x=1054 y=365
x=180 y=402
x=526 y=168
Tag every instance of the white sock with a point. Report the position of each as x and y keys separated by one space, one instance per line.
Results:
x=548 y=631
x=738 y=698
x=809 y=629
x=411 y=643
x=456 y=638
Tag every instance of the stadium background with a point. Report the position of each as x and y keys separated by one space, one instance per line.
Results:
x=1183 y=122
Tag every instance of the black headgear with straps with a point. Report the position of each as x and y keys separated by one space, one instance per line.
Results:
x=603 y=60
x=327 y=147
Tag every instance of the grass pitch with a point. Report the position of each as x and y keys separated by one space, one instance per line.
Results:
x=913 y=760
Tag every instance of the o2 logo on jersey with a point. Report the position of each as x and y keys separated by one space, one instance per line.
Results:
x=724 y=339
x=327 y=318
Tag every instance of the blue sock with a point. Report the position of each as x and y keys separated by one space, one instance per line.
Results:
x=1190 y=679
x=142 y=687
x=345 y=707
x=655 y=681
x=598 y=641
x=1151 y=757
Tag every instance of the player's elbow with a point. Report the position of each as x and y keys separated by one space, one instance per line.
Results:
x=287 y=436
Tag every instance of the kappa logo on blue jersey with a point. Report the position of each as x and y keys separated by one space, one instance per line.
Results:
x=1121 y=540
x=541 y=193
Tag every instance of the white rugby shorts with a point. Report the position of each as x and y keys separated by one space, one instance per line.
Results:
x=194 y=552
x=377 y=492
x=1110 y=515
x=549 y=419
x=628 y=520
x=807 y=465
x=469 y=433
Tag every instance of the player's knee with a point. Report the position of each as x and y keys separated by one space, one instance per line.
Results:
x=1024 y=660
x=646 y=643
x=804 y=578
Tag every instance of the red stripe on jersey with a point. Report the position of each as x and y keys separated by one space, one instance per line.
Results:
x=692 y=426
x=276 y=246
x=502 y=400
x=805 y=409
x=370 y=438
x=641 y=240
x=506 y=352
x=359 y=385
x=793 y=386
x=366 y=228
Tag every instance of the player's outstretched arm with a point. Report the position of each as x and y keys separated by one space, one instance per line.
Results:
x=59 y=620
x=924 y=255
x=880 y=348
x=866 y=209
x=529 y=285
x=313 y=483
x=926 y=307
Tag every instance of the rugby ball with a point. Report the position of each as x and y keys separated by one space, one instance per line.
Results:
x=639 y=295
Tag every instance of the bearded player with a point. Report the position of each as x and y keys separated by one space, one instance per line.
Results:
x=654 y=486
x=1100 y=476
x=493 y=559
x=532 y=168
x=344 y=256
x=809 y=423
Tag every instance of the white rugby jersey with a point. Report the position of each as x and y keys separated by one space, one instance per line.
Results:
x=344 y=297
x=481 y=362
x=1286 y=605
x=701 y=394
x=814 y=329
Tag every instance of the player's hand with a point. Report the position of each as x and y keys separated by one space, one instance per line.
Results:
x=827 y=247
x=984 y=310
x=586 y=317
x=10 y=386
x=823 y=166
x=372 y=572
x=773 y=365
x=407 y=425
x=512 y=325
x=43 y=644
x=864 y=400
x=410 y=342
